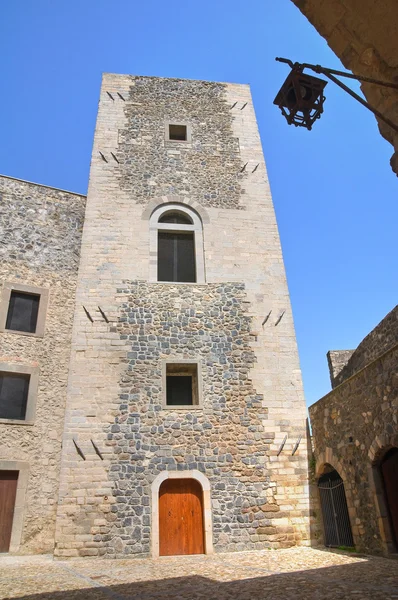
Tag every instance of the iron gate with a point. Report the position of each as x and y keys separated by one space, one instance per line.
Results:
x=336 y=520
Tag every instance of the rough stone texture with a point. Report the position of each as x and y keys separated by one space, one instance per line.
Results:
x=292 y=574
x=337 y=360
x=354 y=425
x=224 y=439
x=364 y=35
x=40 y=228
x=243 y=260
x=206 y=170
x=381 y=339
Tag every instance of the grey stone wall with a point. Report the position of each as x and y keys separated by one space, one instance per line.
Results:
x=207 y=170
x=337 y=360
x=383 y=337
x=224 y=439
x=40 y=232
x=352 y=427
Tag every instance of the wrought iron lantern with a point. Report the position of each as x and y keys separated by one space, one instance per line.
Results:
x=301 y=98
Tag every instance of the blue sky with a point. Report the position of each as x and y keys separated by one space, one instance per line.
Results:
x=335 y=195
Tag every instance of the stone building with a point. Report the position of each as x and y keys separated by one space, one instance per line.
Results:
x=184 y=425
x=364 y=35
x=355 y=434
x=40 y=234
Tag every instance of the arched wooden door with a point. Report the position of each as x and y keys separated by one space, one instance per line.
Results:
x=181 y=517
x=389 y=469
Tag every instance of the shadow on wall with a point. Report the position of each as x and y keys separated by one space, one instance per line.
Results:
x=316 y=525
x=369 y=579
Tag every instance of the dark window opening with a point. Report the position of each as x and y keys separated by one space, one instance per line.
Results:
x=181 y=384
x=175 y=217
x=178 y=132
x=176 y=257
x=14 y=389
x=22 y=312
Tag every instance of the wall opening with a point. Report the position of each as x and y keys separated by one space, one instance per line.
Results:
x=178 y=132
x=389 y=473
x=336 y=520
x=14 y=389
x=8 y=493
x=181 y=528
x=22 y=312
x=200 y=503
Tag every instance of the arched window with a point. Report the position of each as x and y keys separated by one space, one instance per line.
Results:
x=177 y=242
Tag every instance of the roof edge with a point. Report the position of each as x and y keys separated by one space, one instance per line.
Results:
x=50 y=187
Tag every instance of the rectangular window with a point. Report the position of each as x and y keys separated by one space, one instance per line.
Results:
x=176 y=257
x=178 y=132
x=14 y=388
x=182 y=384
x=23 y=310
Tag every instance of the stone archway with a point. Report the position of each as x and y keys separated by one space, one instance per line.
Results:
x=336 y=520
x=328 y=458
x=207 y=518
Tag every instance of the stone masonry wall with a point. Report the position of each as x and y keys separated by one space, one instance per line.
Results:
x=352 y=426
x=364 y=35
x=206 y=169
x=104 y=507
x=337 y=360
x=40 y=230
x=379 y=340
x=224 y=439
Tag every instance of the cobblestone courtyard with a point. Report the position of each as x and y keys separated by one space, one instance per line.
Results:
x=297 y=573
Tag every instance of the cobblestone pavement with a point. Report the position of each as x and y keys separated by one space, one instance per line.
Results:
x=294 y=574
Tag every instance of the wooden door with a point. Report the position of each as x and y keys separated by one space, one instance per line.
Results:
x=8 y=492
x=181 y=517
x=389 y=468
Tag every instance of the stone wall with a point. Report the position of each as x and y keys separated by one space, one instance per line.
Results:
x=40 y=229
x=207 y=169
x=241 y=326
x=337 y=360
x=364 y=35
x=379 y=340
x=353 y=426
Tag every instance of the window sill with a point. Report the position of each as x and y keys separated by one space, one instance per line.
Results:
x=183 y=407
x=17 y=332
x=178 y=282
x=16 y=422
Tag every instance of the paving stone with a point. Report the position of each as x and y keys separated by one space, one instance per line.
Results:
x=292 y=574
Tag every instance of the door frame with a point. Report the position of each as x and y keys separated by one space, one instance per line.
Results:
x=17 y=521
x=207 y=519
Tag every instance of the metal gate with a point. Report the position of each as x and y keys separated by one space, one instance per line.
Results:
x=336 y=521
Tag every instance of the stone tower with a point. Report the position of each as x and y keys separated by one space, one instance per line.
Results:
x=184 y=376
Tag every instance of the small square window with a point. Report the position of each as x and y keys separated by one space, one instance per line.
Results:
x=182 y=388
x=178 y=132
x=14 y=388
x=23 y=310
x=18 y=393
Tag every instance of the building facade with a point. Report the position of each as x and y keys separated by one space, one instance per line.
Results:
x=184 y=410
x=355 y=434
x=364 y=35
x=40 y=232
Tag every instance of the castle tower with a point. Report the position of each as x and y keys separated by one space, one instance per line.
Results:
x=184 y=379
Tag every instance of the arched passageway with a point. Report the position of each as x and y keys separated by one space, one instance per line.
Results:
x=336 y=520
x=389 y=472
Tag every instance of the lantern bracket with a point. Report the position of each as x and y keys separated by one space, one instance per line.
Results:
x=330 y=74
